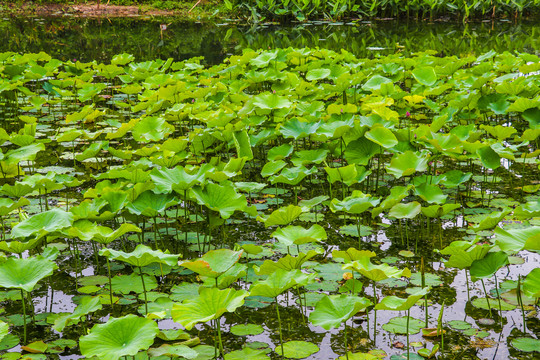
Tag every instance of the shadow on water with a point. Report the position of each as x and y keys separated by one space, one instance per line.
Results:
x=99 y=39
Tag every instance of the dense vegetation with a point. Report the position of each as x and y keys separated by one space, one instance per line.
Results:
x=297 y=189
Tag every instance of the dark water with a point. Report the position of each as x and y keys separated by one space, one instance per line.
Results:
x=99 y=39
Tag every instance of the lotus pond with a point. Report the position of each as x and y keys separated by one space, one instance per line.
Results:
x=287 y=203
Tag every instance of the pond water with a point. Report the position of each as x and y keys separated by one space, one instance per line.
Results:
x=100 y=39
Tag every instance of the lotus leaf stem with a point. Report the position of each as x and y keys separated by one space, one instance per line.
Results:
x=279 y=325
x=24 y=313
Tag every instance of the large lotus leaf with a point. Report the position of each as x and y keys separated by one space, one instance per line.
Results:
x=243 y=144
x=398 y=304
x=8 y=205
x=280 y=281
x=454 y=178
x=299 y=235
x=4 y=329
x=405 y=210
x=19 y=247
x=43 y=223
x=167 y=351
x=398 y=325
x=352 y=254
x=24 y=153
x=488 y=265
x=435 y=211
x=287 y=263
x=376 y=272
x=349 y=175
x=248 y=353
x=297 y=129
x=491 y=220
x=430 y=193
x=221 y=198
x=306 y=157
x=360 y=151
x=151 y=204
x=397 y=193
x=271 y=101
x=297 y=349
x=152 y=128
x=119 y=337
x=514 y=240
x=125 y=284
x=25 y=273
x=86 y=306
x=227 y=278
x=526 y=344
x=332 y=310
x=282 y=216
x=209 y=305
x=425 y=75
x=463 y=253
x=382 y=136
x=528 y=210
x=408 y=163
x=375 y=82
x=141 y=256
x=175 y=179
x=292 y=176
x=531 y=284
x=87 y=230
x=489 y=158
x=357 y=203
x=214 y=262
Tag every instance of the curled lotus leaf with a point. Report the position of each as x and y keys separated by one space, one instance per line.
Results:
x=214 y=262
x=141 y=256
x=333 y=310
x=25 y=273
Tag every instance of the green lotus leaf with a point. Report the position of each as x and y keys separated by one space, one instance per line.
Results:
x=126 y=284
x=151 y=128
x=464 y=253
x=221 y=198
x=491 y=220
x=214 y=263
x=175 y=351
x=437 y=211
x=287 y=262
x=297 y=349
x=297 y=129
x=488 y=265
x=4 y=329
x=375 y=82
x=357 y=203
x=405 y=211
x=489 y=158
x=248 y=353
x=352 y=254
x=299 y=235
x=280 y=281
x=306 y=157
x=292 y=176
x=526 y=344
x=264 y=58
x=398 y=304
x=430 y=193
x=531 y=284
x=141 y=256
x=280 y=152
x=408 y=163
x=19 y=247
x=86 y=306
x=528 y=210
x=360 y=151
x=317 y=74
x=376 y=272
x=119 y=337
x=349 y=175
x=271 y=101
x=491 y=303
x=209 y=305
x=514 y=240
x=243 y=144
x=425 y=75
x=397 y=193
x=87 y=230
x=332 y=310
x=398 y=325
x=358 y=356
x=454 y=178
x=282 y=216
x=42 y=224
x=151 y=204
x=382 y=136
x=177 y=179
x=25 y=153
x=247 y=329
x=25 y=273
x=8 y=205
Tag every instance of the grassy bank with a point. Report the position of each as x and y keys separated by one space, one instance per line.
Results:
x=300 y=10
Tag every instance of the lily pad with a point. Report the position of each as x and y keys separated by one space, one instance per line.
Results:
x=297 y=349
x=398 y=325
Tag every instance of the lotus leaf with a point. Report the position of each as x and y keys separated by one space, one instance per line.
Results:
x=86 y=306
x=221 y=198
x=297 y=349
x=373 y=272
x=214 y=263
x=357 y=203
x=282 y=216
x=488 y=265
x=398 y=304
x=405 y=211
x=209 y=305
x=398 y=325
x=141 y=256
x=332 y=310
x=43 y=223
x=531 y=284
x=25 y=273
x=297 y=235
x=279 y=281
x=288 y=262
x=514 y=240
x=119 y=337
x=382 y=137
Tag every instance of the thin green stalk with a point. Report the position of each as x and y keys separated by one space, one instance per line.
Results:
x=487 y=298
x=408 y=317
x=498 y=299
x=219 y=337
x=346 y=345
x=110 y=282
x=279 y=325
x=24 y=314
x=144 y=291
x=520 y=302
